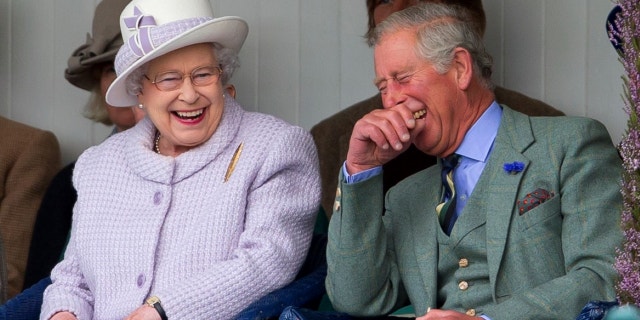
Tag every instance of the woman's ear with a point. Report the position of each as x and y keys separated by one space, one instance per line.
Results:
x=463 y=65
x=230 y=90
x=138 y=112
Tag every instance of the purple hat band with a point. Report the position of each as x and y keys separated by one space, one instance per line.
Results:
x=140 y=43
x=150 y=36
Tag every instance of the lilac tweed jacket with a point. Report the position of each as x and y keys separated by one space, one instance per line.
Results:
x=147 y=224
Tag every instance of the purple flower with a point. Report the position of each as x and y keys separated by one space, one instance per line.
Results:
x=513 y=167
x=627 y=35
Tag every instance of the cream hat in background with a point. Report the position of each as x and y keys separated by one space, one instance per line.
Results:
x=101 y=45
x=152 y=28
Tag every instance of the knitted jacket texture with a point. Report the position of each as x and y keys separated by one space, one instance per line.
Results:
x=146 y=224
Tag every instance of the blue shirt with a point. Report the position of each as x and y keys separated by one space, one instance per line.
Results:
x=474 y=151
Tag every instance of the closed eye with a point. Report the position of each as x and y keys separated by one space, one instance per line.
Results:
x=382 y=86
x=169 y=77
x=202 y=75
x=402 y=79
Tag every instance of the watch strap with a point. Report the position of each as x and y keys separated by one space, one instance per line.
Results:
x=154 y=302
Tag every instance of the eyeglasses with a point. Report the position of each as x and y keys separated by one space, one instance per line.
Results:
x=172 y=80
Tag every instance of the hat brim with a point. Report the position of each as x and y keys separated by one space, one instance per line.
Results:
x=82 y=77
x=229 y=31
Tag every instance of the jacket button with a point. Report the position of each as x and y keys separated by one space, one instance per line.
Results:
x=463 y=285
x=471 y=312
x=463 y=263
x=157 y=198
x=141 y=280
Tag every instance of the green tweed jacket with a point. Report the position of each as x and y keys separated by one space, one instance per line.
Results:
x=544 y=263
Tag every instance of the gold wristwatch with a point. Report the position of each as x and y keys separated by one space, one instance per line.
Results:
x=154 y=302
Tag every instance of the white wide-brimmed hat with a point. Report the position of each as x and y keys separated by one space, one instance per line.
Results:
x=152 y=28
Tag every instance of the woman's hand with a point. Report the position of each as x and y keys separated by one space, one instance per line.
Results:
x=64 y=316
x=144 y=312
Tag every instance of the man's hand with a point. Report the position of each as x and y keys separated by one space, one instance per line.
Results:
x=144 y=312
x=433 y=314
x=380 y=136
x=64 y=316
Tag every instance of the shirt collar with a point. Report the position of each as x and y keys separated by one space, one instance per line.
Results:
x=479 y=139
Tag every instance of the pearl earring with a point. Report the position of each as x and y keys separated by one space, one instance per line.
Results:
x=141 y=106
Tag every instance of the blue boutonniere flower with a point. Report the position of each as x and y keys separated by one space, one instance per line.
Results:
x=513 y=167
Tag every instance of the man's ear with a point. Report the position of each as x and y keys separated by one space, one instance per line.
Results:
x=463 y=66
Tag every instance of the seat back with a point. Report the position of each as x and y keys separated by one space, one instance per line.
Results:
x=3 y=274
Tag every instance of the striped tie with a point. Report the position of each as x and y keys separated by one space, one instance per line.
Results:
x=446 y=209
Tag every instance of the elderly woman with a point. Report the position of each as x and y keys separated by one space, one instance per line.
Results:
x=201 y=208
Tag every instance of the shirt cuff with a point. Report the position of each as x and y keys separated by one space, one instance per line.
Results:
x=360 y=176
x=485 y=317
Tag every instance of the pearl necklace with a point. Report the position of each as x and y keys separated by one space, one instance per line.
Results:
x=156 y=143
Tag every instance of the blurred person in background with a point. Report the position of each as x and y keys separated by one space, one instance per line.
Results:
x=29 y=158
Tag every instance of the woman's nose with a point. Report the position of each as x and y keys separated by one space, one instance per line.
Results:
x=188 y=92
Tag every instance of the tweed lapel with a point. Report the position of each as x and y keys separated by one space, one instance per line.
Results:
x=501 y=188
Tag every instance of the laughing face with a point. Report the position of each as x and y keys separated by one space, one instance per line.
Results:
x=406 y=80
x=188 y=115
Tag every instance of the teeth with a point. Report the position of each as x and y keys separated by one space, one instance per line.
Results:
x=190 y=114
x=419 y=114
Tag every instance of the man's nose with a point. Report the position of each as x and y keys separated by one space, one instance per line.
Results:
x=393 y=95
